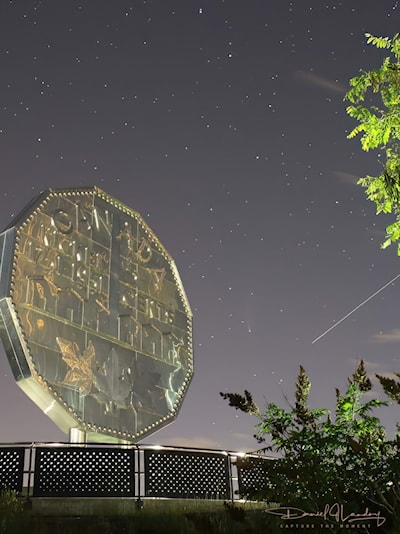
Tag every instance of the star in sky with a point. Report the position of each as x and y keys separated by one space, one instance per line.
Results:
x=223 y=124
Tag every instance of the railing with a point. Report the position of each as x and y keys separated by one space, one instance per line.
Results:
x=135 y=471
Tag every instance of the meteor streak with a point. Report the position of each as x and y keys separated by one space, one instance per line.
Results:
x=356 y=308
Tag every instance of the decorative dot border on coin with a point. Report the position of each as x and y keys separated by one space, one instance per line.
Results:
x=93 y=315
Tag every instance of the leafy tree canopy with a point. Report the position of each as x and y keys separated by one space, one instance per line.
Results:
x=379 y=128
x=323 y=458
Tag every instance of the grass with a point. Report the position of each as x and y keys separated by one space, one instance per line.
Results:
x=156 y=516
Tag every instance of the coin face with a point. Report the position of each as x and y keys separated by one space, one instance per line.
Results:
x=94 y=318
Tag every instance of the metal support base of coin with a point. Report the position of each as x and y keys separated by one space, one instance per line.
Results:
x=94 y=319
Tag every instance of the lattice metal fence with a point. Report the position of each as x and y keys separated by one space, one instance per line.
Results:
x=181 y=474
x=12 y=468
x=251 y=474
x=134 y=471
x=84 y=472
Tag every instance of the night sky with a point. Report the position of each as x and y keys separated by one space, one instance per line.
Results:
x=223 y=124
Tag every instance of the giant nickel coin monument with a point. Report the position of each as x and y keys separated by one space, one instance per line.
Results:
x=93 y=316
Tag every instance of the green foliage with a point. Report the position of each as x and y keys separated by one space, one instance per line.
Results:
x=390 y=386
x=244 y=402
x=325 y=458
x=10 y=507
x=379 y=128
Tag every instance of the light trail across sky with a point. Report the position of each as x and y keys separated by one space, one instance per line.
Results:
x=356 y=308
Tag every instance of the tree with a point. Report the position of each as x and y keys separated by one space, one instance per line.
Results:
x=390 y=386
x=326 y=458
x=379 y=127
